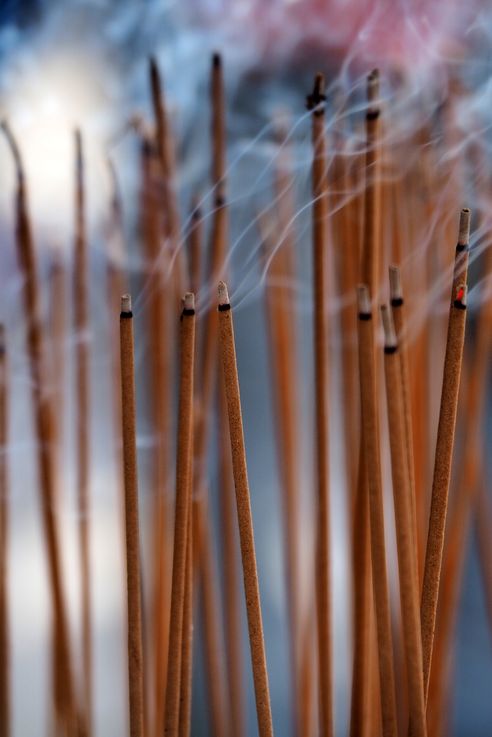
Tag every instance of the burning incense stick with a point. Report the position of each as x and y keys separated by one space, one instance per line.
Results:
x=246 y=536
x=187 y=636
x=444 y=445
x=81 y=325
x=320 y=244
x=404 y=528
x=370 y=267
x=135 y=655
x=5 y=709
x=183 y=493
x=45 y=435
x=370 y=438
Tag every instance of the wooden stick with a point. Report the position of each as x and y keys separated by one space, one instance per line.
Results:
x=398 y=314
x=245 y=521
x=57 y=331
x=82 y=359
x=444 y=444
x=320 y=244
x=370 y=266
x=183 y=494
x=135 y=654
x=45 y=436
x=404 y=523
x=232 y=603
x=5 y=690
x=370 y=438
x=187 y=637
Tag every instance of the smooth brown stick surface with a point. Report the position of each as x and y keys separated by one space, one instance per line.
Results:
x=444 y=446
x=370 y=264
x=321 y=390
x=187 y=636
x=370 y=438
x=245 y=520
x=409 y=592
x=182 y=507
x=232 y=603
x=57 y=329
x=398 y=313
x=5 y=690
x=135 y=654
x=218 y=134
x=45 y=435
x=81 y=326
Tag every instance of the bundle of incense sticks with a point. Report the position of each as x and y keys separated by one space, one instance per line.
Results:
x=372 y=207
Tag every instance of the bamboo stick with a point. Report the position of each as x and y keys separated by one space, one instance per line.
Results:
x=320 y=244
x=182 y=507
x=45 y=435
x=246 y=535
x=444 y=445
x=404 y=524
x=370 y=439
x=82 y=359
x=135 y=654
x=5 y=650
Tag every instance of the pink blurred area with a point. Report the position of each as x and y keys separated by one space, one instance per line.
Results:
x=393 y=32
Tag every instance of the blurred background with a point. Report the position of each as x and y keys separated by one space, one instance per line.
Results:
x=85 y=64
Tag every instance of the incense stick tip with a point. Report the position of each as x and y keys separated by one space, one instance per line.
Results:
x=317 y=96
x=216 y=60
x=390 y=340
x=363 y=300
x=464 y=227
x=460 y=297
x=189 y=302
x=126 y=303
x=223 y=294
x=396 y=292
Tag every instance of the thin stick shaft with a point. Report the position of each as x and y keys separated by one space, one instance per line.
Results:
x=182 y=507
x=81 y=325
x=135 y=653
x=370 y=439
x=187 y=637
x=444 y=451
x=321 y=381
x=245 y=521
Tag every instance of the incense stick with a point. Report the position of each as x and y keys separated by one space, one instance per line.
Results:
x=45 y=431
x=370 y=439
x=182 y=506
x=246 y=535
x=135 y=655
x=81 y=326
x=320 y=326
x=187 y=635
x=444 y=444
x=404 y=524
x=370 y=265
x=5 y=690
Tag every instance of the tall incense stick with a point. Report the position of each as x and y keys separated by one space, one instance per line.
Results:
x=404 y=524
x=81 y=325
x=45 y=435
x=182 y=510
x=370 y=439
x=320 y=244
x=128 y=405
x=444 y=445
x=245 y=521
x=5 y=705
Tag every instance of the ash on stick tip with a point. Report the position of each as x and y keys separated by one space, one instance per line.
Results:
x=464 y=227
x=216 y=60
x=317 y=96
x=189 y=301
x=363 y=300
x=126 y=303
x=223 y=294
x=396 y=292
x=390 y=340
x=460 y=297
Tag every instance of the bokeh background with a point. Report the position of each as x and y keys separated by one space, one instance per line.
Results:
x=85 y=63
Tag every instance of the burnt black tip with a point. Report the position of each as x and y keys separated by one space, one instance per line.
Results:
x=373 y=114
x=364 y=316
x=397 y=302
x=317 y=96
x=225 y=307
x=216 y=60
x=459 y=305
x=126 y=315
x=187 y=312
x=461 y=247
x=389 y=349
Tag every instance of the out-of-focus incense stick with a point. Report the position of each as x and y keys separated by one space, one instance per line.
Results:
x=5 y=688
